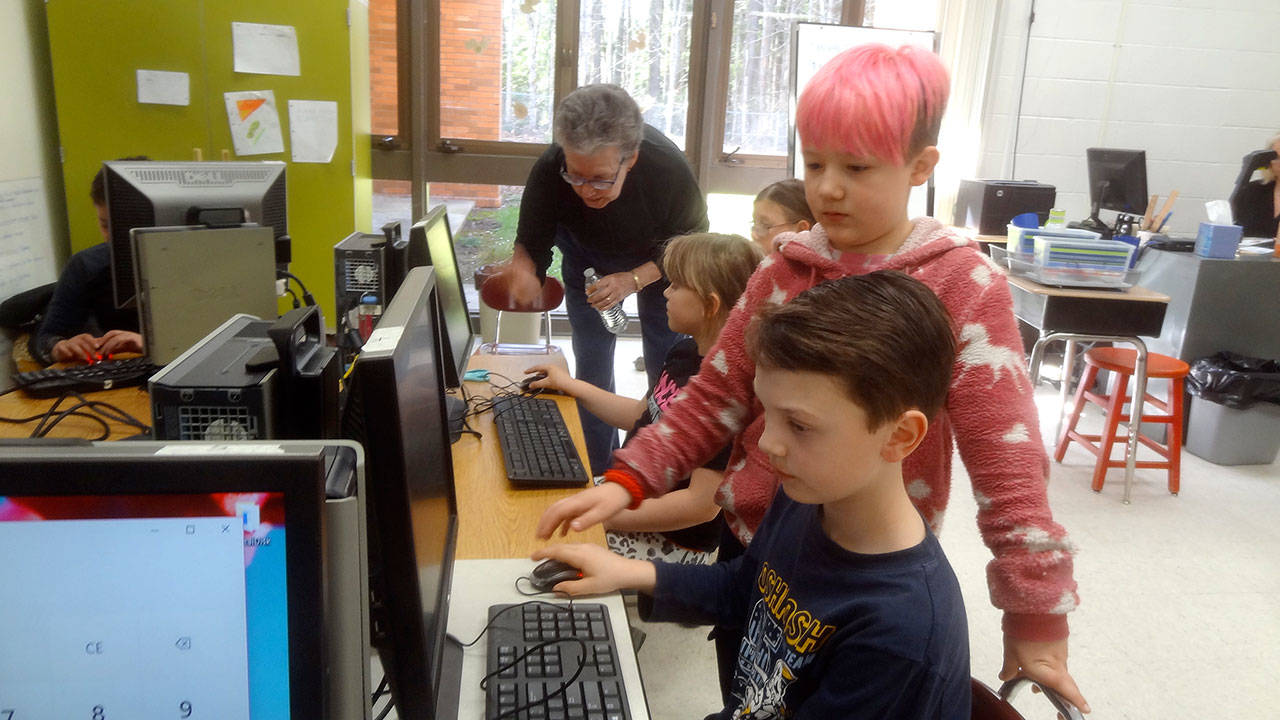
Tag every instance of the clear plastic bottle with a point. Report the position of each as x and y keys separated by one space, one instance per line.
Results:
x=614 y=318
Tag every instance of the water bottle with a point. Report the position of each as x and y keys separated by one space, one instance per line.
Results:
x=367 y=313
x=614 y=318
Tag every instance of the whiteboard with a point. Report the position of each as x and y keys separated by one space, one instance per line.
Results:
x=26 y=250
x=812 y=45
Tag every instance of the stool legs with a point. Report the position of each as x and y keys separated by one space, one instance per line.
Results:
x=1175 y=435
x=1115 y=408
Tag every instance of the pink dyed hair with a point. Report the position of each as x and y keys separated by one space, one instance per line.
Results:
x=875 y=101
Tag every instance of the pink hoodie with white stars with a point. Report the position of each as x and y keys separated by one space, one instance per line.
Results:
x=989 y=415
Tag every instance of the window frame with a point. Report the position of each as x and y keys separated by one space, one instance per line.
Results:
x=420 y=154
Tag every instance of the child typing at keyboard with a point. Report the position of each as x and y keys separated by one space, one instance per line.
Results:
x=708 y=273
x=848 y=605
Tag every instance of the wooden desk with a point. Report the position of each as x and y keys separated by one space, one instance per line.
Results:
x=496 y=520
x=133 y=400
x=1078 y=314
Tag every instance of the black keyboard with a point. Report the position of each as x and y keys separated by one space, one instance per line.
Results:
x=536 y=447
x=533 y=682
x=105 y=375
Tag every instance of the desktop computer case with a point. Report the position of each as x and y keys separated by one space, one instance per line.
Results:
x=207 y=393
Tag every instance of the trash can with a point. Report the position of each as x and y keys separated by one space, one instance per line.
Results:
x=1235 y=410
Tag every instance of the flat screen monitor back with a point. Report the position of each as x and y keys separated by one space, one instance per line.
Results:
x=1118 y=179
x=431 y=243
x=190 y=575
x=396 y=410
x=143 y=193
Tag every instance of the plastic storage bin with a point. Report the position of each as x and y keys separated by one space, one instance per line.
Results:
x=1225 y=436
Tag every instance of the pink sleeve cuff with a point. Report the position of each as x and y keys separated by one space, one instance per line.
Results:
x=1036 y=628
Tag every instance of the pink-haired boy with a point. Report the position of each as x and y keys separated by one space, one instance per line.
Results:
x=868 y=123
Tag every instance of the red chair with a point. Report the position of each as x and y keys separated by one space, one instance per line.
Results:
x=494 y=292
x=1120 y=361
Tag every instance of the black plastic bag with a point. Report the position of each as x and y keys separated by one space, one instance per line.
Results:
x=1235 y=380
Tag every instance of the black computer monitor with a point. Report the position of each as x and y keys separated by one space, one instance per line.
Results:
x=396 y=410
x=214 y=194
x=163 y=580
x=1117 y=181
x=431 y=243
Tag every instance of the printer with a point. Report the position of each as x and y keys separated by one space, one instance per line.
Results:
x=988 y=205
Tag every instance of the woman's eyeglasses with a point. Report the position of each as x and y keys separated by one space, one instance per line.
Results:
x=579 y=181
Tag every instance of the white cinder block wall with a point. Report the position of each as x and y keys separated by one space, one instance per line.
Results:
x=1194 y=83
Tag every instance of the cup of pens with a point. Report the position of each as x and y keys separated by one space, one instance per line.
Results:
x=1154 y=221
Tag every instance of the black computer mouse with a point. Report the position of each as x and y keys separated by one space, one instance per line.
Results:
x=552 y=572
x=530 y=379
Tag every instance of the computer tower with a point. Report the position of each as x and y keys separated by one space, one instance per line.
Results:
x=218 y=390
x=365 y=264
x=307 y=387
x=251 y=379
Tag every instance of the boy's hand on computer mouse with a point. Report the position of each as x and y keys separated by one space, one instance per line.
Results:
x=555 y=378
x=117 y=341
x=581 y=511
x=1045 y=663
x=80 y=348
x=602 y=570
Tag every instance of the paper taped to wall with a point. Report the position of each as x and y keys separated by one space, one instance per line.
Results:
x=160 y=87
x=265 y=49
x=255 y=125
x=313 y=130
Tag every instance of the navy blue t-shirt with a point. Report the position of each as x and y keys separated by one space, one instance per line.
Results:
x=828 y=632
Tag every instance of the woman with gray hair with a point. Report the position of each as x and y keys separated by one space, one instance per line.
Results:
x=609 y=193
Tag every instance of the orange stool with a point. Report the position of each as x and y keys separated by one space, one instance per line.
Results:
x=1121 y=362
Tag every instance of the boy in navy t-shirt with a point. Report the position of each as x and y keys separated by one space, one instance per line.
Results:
x=847 y=605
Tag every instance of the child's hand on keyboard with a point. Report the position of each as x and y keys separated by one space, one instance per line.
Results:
x=582 y=510
x=602 y=570
x=81 y=348
x=118 y=341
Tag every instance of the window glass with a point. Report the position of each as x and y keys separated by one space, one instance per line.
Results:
x=483 y=219
x=384 y=89
x=757 y=117
x=392 y=201
x=642 y=46
x=497 y=67
x=901 y=14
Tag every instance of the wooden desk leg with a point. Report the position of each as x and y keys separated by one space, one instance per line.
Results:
x=1135 y=411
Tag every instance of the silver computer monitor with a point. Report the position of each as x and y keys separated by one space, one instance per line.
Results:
x=169 y=579
x=431 y=243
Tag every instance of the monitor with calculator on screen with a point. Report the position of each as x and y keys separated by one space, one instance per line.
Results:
x=163 y=580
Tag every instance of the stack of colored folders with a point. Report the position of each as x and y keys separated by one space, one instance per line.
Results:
x=1092 y=262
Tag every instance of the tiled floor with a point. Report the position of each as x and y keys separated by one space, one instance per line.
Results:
x=1180 y=596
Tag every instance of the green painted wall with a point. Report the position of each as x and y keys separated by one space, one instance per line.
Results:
x=96 y=47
